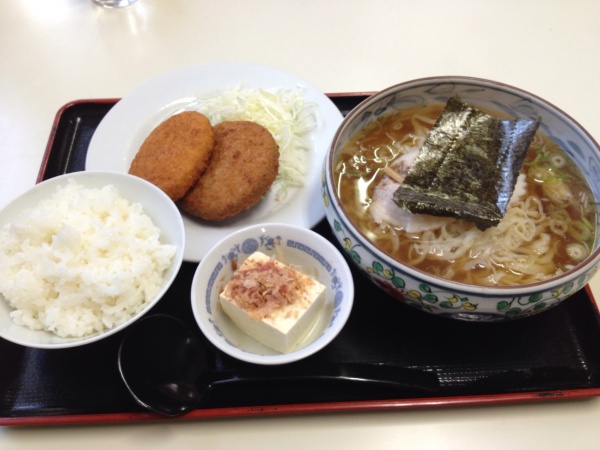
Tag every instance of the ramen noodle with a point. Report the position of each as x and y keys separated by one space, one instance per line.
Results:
x=548 y=228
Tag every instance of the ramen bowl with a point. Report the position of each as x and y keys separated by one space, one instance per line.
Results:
x=458 y=299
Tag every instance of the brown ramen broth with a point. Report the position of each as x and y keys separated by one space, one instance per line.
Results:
x=548 y=228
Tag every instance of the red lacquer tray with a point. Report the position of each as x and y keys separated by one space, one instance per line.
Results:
x=555 y=355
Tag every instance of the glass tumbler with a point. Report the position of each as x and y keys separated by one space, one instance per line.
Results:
x=113 y=3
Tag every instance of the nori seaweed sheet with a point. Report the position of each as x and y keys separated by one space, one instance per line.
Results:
x=468 y=165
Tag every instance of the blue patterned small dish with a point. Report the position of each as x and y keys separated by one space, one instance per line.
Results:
x=432 y=294
x=299 y=247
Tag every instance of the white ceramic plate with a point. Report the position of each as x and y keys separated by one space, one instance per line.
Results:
x=122 y=131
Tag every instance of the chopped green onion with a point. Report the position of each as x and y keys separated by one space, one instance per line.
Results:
x=577 y=251
x=579 y=231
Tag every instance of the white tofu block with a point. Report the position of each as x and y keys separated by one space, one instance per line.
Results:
x=285 y=328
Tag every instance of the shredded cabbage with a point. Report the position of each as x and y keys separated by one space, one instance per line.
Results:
x=281 y=111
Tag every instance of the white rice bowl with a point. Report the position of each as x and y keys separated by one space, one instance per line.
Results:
x=84 y=256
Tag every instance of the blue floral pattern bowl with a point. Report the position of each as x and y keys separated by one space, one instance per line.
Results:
x=300 y=247
x=432 y=294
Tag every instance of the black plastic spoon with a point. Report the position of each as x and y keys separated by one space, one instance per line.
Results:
x=165 y=368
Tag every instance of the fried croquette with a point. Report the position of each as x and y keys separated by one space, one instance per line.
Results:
x=242 y=168
x=175 y=153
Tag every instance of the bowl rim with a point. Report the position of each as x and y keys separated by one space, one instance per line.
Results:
x=490 y=291
x=198 y=295
x=173 y=270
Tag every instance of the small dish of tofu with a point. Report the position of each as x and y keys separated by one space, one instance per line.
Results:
x=272 y=293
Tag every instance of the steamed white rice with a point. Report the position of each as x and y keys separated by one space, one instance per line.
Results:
x=81 y=262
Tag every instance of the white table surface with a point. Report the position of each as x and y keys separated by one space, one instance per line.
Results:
x=56 y=51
